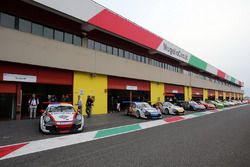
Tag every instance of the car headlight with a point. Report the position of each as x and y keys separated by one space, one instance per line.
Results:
x=79 y=117
x=46 y=118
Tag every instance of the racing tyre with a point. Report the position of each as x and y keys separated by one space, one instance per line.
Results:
x=166 y=111
x=138 y=114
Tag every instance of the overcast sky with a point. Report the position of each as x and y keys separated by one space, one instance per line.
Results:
x=217 y=31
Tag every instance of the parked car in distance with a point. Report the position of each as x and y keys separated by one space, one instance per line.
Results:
x=227 y=103
x=207 y=105
x=143 y=110
x=218 y=105
x=183 y=104
x=169 y=108
x=196 y=107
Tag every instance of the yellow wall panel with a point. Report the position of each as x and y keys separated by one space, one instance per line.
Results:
x=187 y=93
x=216 y=93
x=205 y=94
x=93 y=85
x=224 y=95
x=156 y=92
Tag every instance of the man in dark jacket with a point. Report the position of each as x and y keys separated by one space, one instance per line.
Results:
x=89 y=104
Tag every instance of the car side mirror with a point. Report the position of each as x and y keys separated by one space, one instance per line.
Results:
x=42 y=111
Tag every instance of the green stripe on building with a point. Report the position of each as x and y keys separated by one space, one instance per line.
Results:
x=195 y=61
x=233 y=79
x=118 y=130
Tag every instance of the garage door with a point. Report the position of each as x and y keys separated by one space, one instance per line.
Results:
x=127 y=84
x=174 y=89
x=211 y=92
x=35 y=74
x=197 y=92
x=7 y=87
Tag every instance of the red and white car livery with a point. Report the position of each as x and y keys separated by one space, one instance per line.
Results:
x=61 y=118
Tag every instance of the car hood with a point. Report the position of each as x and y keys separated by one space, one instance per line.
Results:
x=150 y=110
x=177 y=108
x=62 y=116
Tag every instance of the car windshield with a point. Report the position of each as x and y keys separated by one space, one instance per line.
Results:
x=168 y=104
x=144 y=105
x=193 y=102
x=61 y=109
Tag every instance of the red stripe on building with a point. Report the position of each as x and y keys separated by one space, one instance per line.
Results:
x=44 y=75
x=9 y=149
x=169 y=88
x=221 y=74
x=7 y=87
x=173 y=119
x=114 y=23
x=124 y=83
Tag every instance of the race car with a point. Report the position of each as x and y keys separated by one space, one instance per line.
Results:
x=218 y=105
x=169 y=108
x=196 y=107
x=207 y=105
x=143 y=110
x=61 y=118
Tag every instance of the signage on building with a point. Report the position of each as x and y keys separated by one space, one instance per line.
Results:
x=197 y=93
x=131 y=87
x=174 y=51
x=19 y=78
x=174 y=91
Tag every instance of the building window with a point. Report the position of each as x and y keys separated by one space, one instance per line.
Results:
x=138 y=58
x=91 y=44
x=24 y=25
x=48 y=32
x=115 y=51
x=58 y=35
x=68 y=38
x=7 y=20
x=37 y=29
x=77 y=40
x=142 y=59
x=109 y=49
x=103 y=47
x=97 y=46
x=126 y=54
x=120 y=53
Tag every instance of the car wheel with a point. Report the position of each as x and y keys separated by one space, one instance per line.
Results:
x=126 y=112
x=137 y=114
x=166 y=111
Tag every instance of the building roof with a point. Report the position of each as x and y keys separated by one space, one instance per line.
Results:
x=95 y=14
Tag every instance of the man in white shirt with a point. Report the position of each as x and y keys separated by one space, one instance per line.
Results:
x=33 y=103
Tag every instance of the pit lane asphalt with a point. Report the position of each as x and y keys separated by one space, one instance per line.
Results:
x=13 y=132
x=221 y=139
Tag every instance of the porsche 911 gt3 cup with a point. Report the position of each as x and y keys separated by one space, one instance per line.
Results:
x=144 y=110
x=169 y=108
x=61 y=118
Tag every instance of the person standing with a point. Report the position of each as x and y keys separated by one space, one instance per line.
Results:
x=33 y=103
x=79 y=104
x=89 y=104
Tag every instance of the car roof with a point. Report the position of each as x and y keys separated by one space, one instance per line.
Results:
x=60 y=104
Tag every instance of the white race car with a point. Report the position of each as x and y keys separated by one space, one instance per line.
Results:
x=61 y=118
x=144 y=110
x=169 y=108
